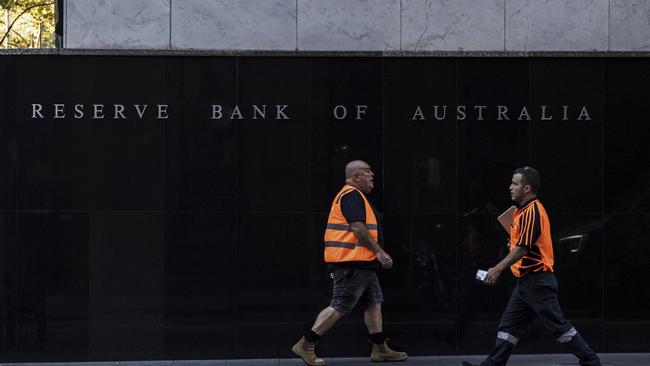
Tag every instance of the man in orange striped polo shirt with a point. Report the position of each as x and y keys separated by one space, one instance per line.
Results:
x=531 y=261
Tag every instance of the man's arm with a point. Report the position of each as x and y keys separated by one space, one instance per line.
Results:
x=515 y=254
x=361 y=232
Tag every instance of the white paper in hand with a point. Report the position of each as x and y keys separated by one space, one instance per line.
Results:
x=480 y=275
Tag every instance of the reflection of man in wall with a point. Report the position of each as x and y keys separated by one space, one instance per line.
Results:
x=485 y=239
x=531 y=261
x=353 y=251
x=482 y=227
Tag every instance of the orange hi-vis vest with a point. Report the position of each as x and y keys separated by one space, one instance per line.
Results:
x=341 y=245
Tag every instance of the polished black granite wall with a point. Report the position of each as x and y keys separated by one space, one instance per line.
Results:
x=192 y=237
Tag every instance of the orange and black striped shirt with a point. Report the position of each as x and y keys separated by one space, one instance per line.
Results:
x=532 y=229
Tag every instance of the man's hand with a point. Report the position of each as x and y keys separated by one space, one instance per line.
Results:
x=515 y=254
x=493 y=275
x=384 y=259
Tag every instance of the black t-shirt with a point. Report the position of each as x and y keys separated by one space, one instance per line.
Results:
x=354 y=209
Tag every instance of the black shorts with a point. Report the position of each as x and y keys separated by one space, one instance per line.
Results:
x=353 y=284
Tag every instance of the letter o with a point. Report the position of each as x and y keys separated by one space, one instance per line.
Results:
x=338 y=108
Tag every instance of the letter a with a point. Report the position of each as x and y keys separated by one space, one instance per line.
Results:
x=418 y=113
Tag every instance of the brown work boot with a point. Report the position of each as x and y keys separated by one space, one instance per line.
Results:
x=306 y=350
x=383 y=353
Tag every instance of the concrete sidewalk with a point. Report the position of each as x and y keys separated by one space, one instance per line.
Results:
x=608 y=359
x=621 y=359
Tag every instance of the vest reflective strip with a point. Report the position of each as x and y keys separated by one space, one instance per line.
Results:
x=566 y=337
x=508 y=337
x=339 y=244
x=348 y=228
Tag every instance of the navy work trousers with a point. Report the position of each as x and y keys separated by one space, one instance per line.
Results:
x=536 y=295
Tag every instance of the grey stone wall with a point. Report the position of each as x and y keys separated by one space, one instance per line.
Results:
x=359 y=25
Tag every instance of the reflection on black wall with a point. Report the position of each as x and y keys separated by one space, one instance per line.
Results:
x=128 y=235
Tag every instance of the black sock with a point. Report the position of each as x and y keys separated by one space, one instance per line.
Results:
x=378 y=338
x=311 y=336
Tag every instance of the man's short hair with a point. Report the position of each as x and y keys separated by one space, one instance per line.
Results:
x=530 y=176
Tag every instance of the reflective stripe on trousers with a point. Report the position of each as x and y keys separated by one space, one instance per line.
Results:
x=567 y=336
x=508 y=337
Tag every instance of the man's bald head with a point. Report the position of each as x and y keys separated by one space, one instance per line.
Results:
x=353 y=166
x=358 y=174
